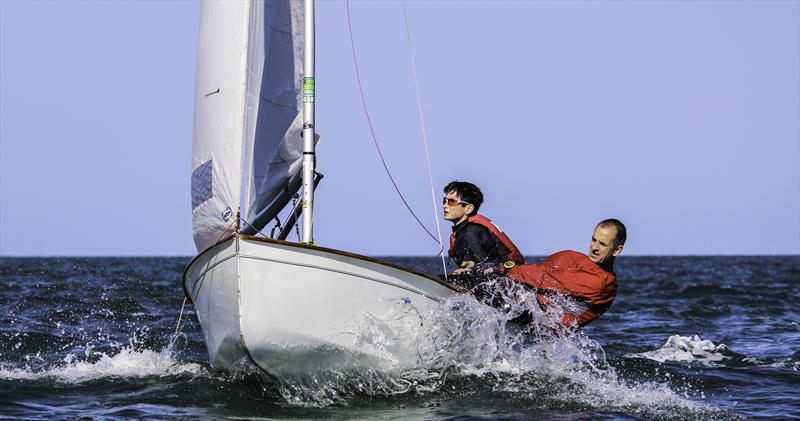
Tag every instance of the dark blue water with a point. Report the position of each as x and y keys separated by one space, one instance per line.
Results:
x=687 y=338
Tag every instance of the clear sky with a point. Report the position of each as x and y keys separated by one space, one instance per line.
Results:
x=680 y=118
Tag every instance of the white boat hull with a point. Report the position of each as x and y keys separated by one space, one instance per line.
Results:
x=293 y=310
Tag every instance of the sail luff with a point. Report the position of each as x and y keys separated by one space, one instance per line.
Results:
x=247 y=141
x=274 y=98
x=249 y=107
x=252 y=78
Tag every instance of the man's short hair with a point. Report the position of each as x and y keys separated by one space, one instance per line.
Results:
x=622 y=233
x=469 y=193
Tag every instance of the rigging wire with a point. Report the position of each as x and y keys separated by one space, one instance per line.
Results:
x=180 y=316
x=372 y=130
x=424 y=138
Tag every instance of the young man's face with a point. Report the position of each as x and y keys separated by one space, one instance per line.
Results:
x=603 y=245
x=458 y=211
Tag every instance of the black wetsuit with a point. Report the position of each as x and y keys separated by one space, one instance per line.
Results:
x=476 y=243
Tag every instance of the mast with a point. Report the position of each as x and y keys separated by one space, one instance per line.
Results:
x=309 y=159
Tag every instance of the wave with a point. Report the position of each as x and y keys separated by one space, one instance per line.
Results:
x=710 y=290
x=679 y=348
x=791 y=362
x=127 y=363
x=467 y=348
x=695 y=350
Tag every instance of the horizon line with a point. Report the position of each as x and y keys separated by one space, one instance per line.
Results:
x=420 y=256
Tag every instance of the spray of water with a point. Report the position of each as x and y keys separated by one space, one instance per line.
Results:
x=87 y=364
x=465 y=347
x=461 y=348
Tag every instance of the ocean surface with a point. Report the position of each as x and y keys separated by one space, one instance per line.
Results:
x=687 y=338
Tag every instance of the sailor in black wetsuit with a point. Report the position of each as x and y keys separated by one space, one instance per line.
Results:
x=475 y=238
x=475 y=243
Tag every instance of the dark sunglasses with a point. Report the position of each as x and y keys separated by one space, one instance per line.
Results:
x=449 y=201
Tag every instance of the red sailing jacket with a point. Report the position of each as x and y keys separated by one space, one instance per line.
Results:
x=571 y=273
x=514 y=254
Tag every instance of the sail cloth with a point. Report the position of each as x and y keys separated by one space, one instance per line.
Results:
x=248 y=102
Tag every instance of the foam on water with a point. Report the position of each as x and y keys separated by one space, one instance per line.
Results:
x=467 y=360
x=464 y=339
x=127 y=363
x=688 y=349
x=791 y=363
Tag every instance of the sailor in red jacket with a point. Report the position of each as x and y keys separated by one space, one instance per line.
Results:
x=475 y=238
x=588 y=280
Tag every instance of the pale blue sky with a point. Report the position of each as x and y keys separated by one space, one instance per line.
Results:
x=680 y=118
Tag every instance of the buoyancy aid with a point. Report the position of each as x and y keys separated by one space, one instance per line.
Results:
x=514 y=254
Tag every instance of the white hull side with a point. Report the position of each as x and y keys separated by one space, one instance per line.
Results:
x=212 y=283
x=303 y=310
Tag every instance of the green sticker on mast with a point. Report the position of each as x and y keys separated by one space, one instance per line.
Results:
x=308 y=89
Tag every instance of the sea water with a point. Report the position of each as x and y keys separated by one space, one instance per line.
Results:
x=687 y=338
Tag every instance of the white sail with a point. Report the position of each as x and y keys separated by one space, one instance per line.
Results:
x=218 y=119
x=274 y=89
x=247 y=120
x=247 y=146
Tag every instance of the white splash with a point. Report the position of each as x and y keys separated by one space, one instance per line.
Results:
x=687 y=349
x=464 y=338
x=128 y=363
x=478 y=341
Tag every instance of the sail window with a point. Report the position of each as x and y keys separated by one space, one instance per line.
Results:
x=201 y=183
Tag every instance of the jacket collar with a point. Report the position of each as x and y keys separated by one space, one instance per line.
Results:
x=459 y=226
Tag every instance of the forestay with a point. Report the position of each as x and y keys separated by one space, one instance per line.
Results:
x=247 y=126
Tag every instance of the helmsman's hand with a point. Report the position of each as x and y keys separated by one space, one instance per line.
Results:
x=466 y=267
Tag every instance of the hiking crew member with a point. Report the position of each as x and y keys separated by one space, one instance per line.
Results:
x=588 y=279
x=475 y=239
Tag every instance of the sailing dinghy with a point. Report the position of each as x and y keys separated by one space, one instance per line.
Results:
x=275 y=304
